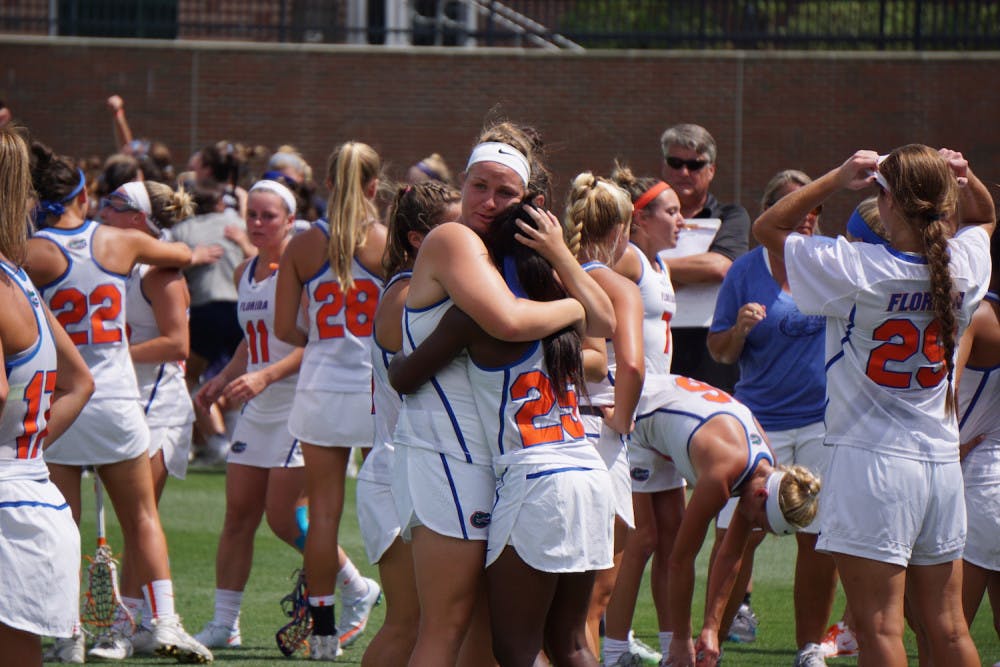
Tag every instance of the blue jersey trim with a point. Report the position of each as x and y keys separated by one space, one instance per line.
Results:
x=496 y=369
x=556 y=471
x=502 y=410
x=454 y=495
x=421 y=309
x=156 y=385
x=291 y=451
x=28 y=353
x=975 y=398
x=910 y=258
x=32 y=503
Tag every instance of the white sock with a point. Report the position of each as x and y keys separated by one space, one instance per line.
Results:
x=665 y=639
x=134 y=606
x=351 y=585
x=159 y=597
x=614 y=649
x=227 y=608
x=321 y=600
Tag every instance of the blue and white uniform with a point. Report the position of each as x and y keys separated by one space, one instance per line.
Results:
x=89 y=301
x=659 y=304
x=333 y=404
x=163 y=392
x=443 y=477
x=979 y=414
x=377 y=515
x=677 y=411
x=893 y=491
x=553 y=493
x=39 y=541
x=610 y=445
x=261 y=437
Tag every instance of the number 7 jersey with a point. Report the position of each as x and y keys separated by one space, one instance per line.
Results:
x=886 y=378
x=88 y=300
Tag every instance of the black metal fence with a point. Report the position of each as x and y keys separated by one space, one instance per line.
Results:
x=615 y=24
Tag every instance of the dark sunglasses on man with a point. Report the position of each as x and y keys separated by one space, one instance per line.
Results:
x=692 y=165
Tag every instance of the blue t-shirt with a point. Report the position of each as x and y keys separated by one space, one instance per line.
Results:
x=782 y=379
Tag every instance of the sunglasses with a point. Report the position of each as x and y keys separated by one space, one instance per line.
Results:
x=117 y=203
x=692 y=165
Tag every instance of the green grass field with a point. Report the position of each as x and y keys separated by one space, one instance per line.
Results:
x=192 y=512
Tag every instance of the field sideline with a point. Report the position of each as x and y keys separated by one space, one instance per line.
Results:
x=192 y=512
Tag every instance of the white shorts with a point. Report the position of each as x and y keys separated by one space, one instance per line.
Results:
x=652 y=472
x=377 y=518
x=802 y=446
x=175 y=442
x=445 y=494
x=107 y=431
x=39 y=558
x=611 y=446
x=333 y=419
x=892 y=509
x=982 y=544
x=264 y=444
x=558 y=519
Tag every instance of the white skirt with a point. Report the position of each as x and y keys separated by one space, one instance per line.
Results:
x=264 y=444
x=333 y=419
x=175 y=442
x=982 y=542
x=377 y=518
x=611 y=447
x=107 y=431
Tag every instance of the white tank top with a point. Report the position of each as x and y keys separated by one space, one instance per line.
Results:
x=337 y=356
x=525 y=420
x=31 y=379
x=601 y=393
x=255 y=311
x=163 y=393
x=378 y=464
x=658 y=307
x=441 y=415
x=979 y=413
x=89 y=302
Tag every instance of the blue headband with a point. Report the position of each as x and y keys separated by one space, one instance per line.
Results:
x=858 y=228
x=46 y=208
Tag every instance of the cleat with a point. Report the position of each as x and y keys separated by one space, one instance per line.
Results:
x=354 y=615
x=142 y=641
x=627 y=659
x=324 y=647
x=646 y=653
x=111 y=646
x=743 y=629
x=839 y=641
x=810 y=656
x=216 y=635
x=173 y=640
x=66 y=650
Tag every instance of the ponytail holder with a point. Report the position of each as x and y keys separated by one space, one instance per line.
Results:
x=648 y=196
x=46 y=207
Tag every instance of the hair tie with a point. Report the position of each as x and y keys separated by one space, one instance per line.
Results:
x=648 y=196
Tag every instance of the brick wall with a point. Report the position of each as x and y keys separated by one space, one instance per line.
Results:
x=767 y=111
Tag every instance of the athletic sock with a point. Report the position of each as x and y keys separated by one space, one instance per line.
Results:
x=321 y=609
x=665 y=639
x=135 y=607
x=350 y=583
x=159 y=597
x=614 y=649
x=227 y=607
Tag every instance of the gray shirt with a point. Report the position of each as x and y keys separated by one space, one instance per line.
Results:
x=211 y=282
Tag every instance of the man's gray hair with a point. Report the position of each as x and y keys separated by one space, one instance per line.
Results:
x=690 y=136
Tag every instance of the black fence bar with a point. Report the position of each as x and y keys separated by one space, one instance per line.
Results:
x=612 y=24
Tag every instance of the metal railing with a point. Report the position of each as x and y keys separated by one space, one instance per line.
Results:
x=566 y=24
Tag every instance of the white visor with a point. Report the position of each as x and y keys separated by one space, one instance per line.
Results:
x=138 y=197
x=508 y=156
x=277 y=188
x=775 y=517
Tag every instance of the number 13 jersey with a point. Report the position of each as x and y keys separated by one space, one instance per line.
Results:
x=886 y=379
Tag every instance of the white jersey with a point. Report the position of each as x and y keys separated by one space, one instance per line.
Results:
x=441 y=415
x=886 y=380
x=979 y=414
x=163 y=392
x=337 y=356
x=659 y=304
x=526 y=421
x=387 y=401
x=255 y=311
x=600 y=394
x=31 y=379
x=89 y=302
x=682 y=407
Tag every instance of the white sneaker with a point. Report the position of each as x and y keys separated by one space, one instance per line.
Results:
x=627 y=659
x=646 y=653
x=324 y=647
x=217 y=635
x=354 y=615
x=811 y=655
x=839 y=641
x=111 y=646
x=66 y=650
x=173 y=640
x=142 y=640
x=743 y=629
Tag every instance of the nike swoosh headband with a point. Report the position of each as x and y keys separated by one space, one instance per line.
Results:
x=508 y=156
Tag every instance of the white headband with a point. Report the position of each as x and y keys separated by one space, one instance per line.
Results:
x=775 y=517
x=138 y=197
x=278 y=189
x=879 y=178
x=508 y=156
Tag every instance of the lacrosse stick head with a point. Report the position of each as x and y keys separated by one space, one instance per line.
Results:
x=102 y=606
x=294 y=635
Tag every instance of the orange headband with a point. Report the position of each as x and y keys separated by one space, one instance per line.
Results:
x=648 y=196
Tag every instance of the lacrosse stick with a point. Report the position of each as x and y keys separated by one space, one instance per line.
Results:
x=294 y=635
x=103 y=607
